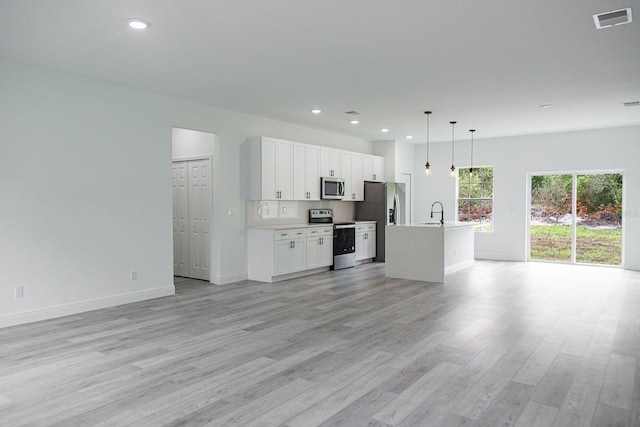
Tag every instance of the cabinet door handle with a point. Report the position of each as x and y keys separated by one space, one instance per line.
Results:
x=374 y=176
x=294 y=244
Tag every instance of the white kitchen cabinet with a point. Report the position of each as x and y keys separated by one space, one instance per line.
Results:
x=345 y=168
x=330 y=162
x=365 y=241
x=290 y=251
x=306 y=172
x=357 y=177
x=352 y=172
x=373 y=168
x=270 y=169
x=278 y=254
x=319 y=247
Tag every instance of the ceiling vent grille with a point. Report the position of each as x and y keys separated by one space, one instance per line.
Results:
x=352 y=113
x=613 y=18
x=632 y=104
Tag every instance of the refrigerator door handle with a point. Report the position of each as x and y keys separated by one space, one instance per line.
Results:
x=396 y=207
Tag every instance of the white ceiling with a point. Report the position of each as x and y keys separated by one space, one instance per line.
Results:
x=486 y=64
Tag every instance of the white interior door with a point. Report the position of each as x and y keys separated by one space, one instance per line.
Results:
x=199 y=218
x=192 y=218
x=180 y=220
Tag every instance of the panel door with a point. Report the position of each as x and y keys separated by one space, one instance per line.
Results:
x=314 y=247
x=180 y=219
x=299 y=183
x=330 y=162
x=378 y=169
x=299 y=255
x=372 y=239
x=325 y=254
x=268 y=148
x=369 y=245
x=282 y=260
x=357 y=177
x=345 y=166
x=360 y=246
x=199 y=218
x=284 y=170
x=313 y=172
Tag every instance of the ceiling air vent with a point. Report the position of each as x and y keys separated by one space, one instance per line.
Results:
x=352 y=113
x=632 y=104
x=610 y=19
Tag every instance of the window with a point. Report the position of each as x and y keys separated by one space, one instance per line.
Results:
x=475 y=197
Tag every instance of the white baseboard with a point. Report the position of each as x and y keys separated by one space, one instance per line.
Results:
x=498 y=256
x=83 y=306
x=230 y=278
x=459 y=266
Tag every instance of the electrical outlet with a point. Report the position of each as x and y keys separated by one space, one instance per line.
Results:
x=231 y=211
x=134 y=275
x=19 y=292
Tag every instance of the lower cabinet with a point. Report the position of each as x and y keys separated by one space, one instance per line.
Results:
x=276 y=254
x=319 y=247
x=365 y=241
x=290 y=256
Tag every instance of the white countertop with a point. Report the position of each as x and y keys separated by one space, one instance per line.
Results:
x=299 y=225
x=287 y=226
x=447 y=224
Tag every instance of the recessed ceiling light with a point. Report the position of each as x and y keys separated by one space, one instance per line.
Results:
x=354 y=122
x=545 y=106
x=384 y=130
x=138 y=24
x=316 y=111
x=409 y=136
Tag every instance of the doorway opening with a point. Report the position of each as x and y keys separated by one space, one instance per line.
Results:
x=192 y=182
x=576 y=218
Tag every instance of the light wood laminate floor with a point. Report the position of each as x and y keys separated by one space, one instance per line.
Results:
x=499 y=344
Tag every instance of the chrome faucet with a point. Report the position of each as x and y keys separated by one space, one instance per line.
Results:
x=441 y=211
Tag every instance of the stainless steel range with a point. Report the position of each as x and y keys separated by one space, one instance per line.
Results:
x=344 y=237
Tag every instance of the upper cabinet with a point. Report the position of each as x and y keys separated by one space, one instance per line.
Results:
x=373 y=168
x=306 y=172
x=287 y=170
x=352 y=172
x=270 y=169
x=330 y=162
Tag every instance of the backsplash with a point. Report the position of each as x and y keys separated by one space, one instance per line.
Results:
x=270 y=212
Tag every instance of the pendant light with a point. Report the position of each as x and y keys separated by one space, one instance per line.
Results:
x=427 y=166
x=453 y=168
x=471 y=167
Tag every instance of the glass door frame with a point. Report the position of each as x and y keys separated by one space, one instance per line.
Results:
x=574 y=205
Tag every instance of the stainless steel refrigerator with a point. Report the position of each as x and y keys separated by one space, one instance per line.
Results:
x=385 y=203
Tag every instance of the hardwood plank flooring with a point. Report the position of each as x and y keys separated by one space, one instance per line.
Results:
x=510 y=344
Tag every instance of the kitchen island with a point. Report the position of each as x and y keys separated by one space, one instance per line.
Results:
x=428 y=252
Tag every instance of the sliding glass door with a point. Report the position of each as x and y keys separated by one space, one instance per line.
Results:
x=576 y=218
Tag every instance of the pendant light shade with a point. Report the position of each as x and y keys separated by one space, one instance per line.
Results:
x=471 y=164
x=453 y=168
x=427 y=166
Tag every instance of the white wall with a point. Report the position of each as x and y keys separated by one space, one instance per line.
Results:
x=85 y=184
x=513 y=158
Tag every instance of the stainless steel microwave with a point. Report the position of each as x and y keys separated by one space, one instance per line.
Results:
x=332 y=188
